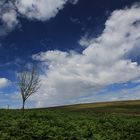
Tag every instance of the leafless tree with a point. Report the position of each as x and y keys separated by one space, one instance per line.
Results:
x=29 y=83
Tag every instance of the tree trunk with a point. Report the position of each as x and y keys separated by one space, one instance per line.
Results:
x=23 y=104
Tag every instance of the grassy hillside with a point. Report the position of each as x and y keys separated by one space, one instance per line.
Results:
x=127 y=107
x=98 y=121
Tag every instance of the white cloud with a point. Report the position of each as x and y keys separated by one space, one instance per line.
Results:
x=69 y=76
x=39 y=9
x=42 y=10
x=137 y=81
x=8 y=17
x=4 y=82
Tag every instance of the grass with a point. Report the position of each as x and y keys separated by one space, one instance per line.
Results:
x=98 y=121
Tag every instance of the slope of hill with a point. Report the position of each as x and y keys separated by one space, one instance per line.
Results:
x=97 y=121
x=130 y=107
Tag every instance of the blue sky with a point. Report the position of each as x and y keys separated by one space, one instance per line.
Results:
x=85 y=50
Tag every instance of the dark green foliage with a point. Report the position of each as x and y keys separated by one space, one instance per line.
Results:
x=59 y=124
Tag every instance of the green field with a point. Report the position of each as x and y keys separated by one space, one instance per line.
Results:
x=99 y=121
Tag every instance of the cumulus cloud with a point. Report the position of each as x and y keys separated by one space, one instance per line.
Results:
x=70 y=75
x=41 y=10
x=4 y=82
x=85 y=41
x=8 y=17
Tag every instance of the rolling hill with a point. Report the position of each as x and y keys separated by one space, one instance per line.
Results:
x=92 y=121
x=129 y=107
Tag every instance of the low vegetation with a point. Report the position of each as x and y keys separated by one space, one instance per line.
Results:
x=104 y=121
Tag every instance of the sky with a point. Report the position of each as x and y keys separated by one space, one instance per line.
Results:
x=84 y=50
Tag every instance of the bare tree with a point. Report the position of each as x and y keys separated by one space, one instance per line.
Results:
x=29 y=83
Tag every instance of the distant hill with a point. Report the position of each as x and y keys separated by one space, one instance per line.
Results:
x=130 y=107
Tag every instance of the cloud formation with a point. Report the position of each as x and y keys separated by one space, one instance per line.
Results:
x=69 y=76
x=8 y=17
x=4 y=82
x=41 y=10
